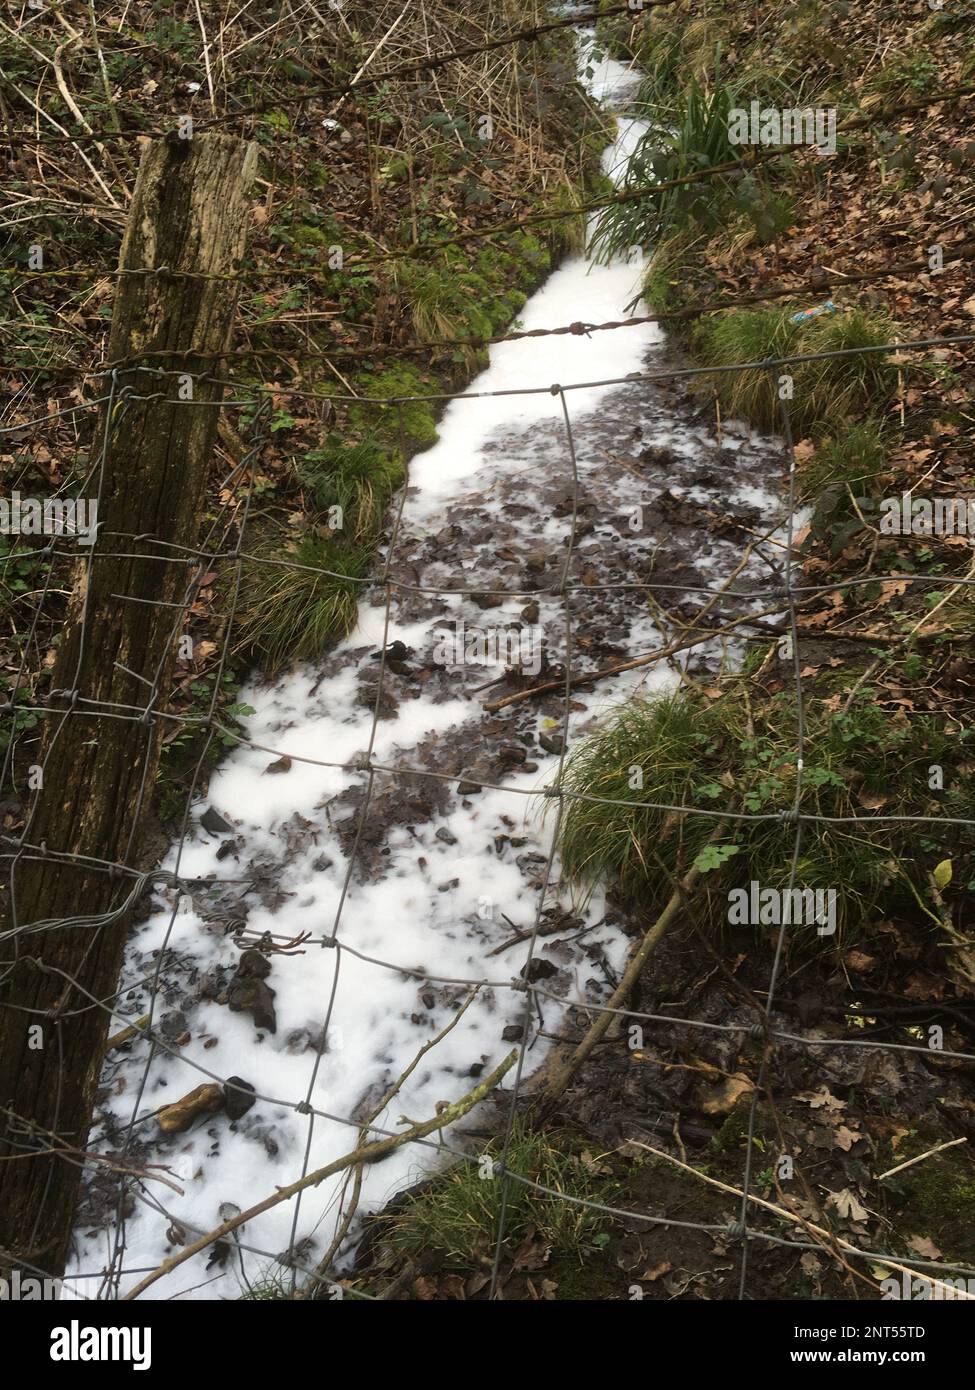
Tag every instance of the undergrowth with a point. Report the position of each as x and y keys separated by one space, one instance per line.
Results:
x=687 y=750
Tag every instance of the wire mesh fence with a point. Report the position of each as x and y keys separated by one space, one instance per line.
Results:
x=25 y=940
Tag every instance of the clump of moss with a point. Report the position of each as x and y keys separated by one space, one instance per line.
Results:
x=411 y=422
x=935 y=1198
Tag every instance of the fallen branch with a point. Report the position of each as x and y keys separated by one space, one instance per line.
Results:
x=367 y=1153
x=319 y=1276
x=617 y=1000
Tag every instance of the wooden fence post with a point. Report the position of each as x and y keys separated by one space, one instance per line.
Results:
x=187 y=226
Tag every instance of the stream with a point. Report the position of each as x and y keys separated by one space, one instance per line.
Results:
x=446 y=871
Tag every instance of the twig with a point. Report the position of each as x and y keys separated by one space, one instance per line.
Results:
x=657 y=655
x=949 y=1144
x=321 y=1269
x=367 y=1153
x=801 y=1221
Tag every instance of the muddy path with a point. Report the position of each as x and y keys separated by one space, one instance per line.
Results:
x=440 y=867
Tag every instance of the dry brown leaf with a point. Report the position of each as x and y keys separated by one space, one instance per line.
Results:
x=848 y=1205
x=844 y=1138
x=924 y=1245
x=718 y=1100
x=821 y=1099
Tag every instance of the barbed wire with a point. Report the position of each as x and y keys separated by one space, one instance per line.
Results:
x=836 y=277
x=787 y=594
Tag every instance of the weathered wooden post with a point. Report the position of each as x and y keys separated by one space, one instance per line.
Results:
x=187 y=227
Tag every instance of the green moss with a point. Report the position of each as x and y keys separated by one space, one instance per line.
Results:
x=595 y=1281
x=416 y=418
x=935 y=1198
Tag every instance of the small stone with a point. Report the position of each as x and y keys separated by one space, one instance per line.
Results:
x=513 y=1033
x=468 y=788
x=511 y=754
x=254 y=965
x=214 y=822
x=238 y=1096
x=257 y=999
x=444 y=834
x=539 y=970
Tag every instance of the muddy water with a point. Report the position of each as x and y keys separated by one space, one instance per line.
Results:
x=447 y=873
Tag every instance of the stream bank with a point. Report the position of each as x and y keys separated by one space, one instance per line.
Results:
x=447 y=868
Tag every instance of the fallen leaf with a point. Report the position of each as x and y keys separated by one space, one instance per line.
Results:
x=924 y=1245
x=821 y=1099
x=848 y=1205
x=283 y=764
x=718 y=1100
x=942 y=874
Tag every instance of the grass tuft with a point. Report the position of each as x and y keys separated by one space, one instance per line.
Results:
x=358 y=478
x=291 y=614
x=457 y=1215
x=687 y=750
x=824 y=391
